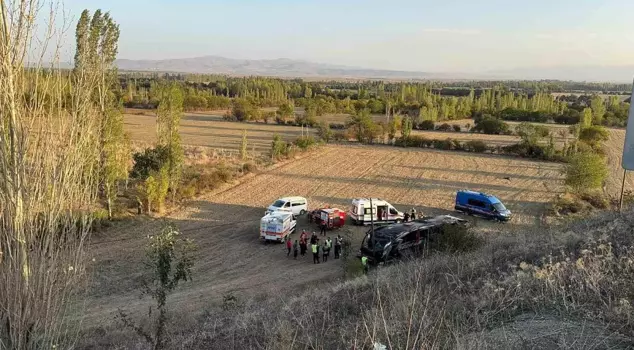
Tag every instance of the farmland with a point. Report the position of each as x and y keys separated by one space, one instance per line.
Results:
x=224 y=224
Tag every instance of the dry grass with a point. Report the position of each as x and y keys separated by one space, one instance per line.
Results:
x=225 y=223
x=563 y=288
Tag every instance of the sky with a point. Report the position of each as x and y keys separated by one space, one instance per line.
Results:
x=432 y=36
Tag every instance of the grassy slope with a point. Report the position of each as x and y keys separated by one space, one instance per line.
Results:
x=565 y=287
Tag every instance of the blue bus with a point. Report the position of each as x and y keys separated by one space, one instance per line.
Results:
x=481 y=204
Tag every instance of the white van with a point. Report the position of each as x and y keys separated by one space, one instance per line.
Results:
x=277 y=225
x=296 y=205
x=381 y=211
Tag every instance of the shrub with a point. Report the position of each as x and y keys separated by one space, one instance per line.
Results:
x=305 y=142
x=444 y=127
x=337 y=126
x=476 y=146
x=443 y=144
x=457 y=128
x=594 y=135
x=426 y=125
x=568 y=204
x=324 y=132
x=249 y=167
x=150 y=160
x=596 y=199
x=456 y=238
x=339 y=136
x=586 y=171
x=492 y=126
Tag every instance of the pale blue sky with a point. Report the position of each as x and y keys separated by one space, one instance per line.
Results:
x=449 y=35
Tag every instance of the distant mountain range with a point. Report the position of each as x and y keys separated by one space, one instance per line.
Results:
x=302 y=69
x=281 y=67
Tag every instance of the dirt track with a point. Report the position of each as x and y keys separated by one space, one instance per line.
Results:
x=225 y=225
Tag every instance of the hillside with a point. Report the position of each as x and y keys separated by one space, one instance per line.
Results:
x=284 y=67
x=279 y=67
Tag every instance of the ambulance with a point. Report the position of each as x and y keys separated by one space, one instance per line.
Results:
x=381 y=212
x=277 y=225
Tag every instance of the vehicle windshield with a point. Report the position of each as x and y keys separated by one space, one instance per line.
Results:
x=499 y=207
x=278 y=203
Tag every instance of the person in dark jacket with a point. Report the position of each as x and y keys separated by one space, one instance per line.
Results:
x=337 y=247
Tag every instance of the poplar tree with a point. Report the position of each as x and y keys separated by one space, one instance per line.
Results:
x=243 y=146
x=598 y=109
x=97 y=46
x=168 y=116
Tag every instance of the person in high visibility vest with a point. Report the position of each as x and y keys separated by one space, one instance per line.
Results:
x=315 y=249
x=364 y=262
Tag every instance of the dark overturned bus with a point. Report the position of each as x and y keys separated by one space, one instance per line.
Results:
x=396 y=241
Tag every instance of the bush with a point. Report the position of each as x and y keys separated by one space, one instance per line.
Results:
x=491 y=126
x=456 y=238
x=594 y=135
x=443 y=144
x=339 y=136
x=426 y=125
x=586 y=171
x=337 y=126
x=476 y=146
x=249 y=167
x=597 y=199
x=324 y=132
x=569 y=204
x=305 y=142
x=444 y=127
x=457 y=128
x=150 y=160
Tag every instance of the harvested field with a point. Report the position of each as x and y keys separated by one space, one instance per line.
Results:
x=225 y=224
x=614 y=150
x=206 y=130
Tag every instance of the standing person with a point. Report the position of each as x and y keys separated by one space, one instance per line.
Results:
x=315 y=250
x=289 y=244
x=337 y=246
x=313 y=238
x=413 y=214
x=364 y=262
x=323 y=228
x=295 y=248
x=303 y=246
x=326 y=251
x=406 y=217
x=302 y=237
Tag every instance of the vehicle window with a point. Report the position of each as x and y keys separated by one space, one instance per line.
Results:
x=278 y=203
x=368 y=211
x=288 y=204
x=393 y=211
x=410 y=237
x=499 y=207
x=297 y=204
x=476 y=203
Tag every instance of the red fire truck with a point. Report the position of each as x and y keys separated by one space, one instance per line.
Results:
x=332 y=217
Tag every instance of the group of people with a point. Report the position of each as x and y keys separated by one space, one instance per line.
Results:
x=412 y=215
x=300 y=247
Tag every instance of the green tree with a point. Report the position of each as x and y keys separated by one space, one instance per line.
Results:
x=598 y=109
x=586 y=118
x=286 y=110
x=530 y=133
x=170 y=260
x=594 y=136
x=362 y=124
x=406 y=128
x=96 y=51
x=278 y=147
x=586 y=171
x=168 y=116
x=243 y=146
x=324 y=131
x=393 y=126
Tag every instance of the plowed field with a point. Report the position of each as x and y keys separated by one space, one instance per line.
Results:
x=225 y=224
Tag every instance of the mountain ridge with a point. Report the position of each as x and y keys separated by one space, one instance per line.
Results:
x=285 y=67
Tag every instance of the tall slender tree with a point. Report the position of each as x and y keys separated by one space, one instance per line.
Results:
x=97 y=46
x=168 y=116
